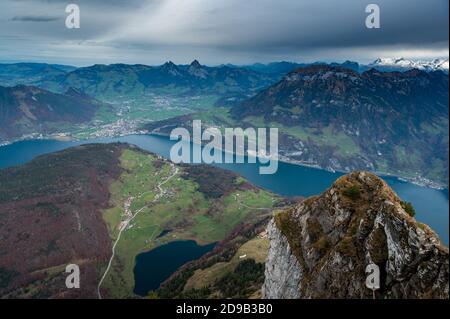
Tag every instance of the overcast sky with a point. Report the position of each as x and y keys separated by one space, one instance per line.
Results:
x=220 y=31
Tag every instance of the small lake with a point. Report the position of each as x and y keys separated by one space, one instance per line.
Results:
x=155 y=266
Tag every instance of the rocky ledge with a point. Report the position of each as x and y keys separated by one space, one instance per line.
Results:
x=321 y=248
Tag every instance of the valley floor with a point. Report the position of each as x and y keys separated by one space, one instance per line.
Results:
x=152 y=195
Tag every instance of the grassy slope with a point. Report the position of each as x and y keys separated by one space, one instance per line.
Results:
x=184 y=209
x=221 y=118
x=326 y=137
x=255 y=249
x=141 y=109
x=344 y=145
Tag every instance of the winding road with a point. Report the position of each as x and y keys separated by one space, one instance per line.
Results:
x=123 y=225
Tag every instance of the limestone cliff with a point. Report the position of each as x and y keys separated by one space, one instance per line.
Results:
x=320 y=248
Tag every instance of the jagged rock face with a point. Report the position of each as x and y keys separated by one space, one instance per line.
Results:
x=283 y=275
x=323 y=246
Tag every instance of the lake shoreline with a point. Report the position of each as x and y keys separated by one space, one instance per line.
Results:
x=289 y=180
x=66 y=137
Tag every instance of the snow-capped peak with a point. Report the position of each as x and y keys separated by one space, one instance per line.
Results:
x=402 y=63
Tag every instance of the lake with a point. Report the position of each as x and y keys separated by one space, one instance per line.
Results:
x=155 y=266
x=432 y=205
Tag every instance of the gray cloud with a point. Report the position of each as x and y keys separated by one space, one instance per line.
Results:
x=34 y=18
x=220 y=31
x=120 y=3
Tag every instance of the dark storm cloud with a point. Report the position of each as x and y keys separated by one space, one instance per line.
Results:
x=104 y=3
x=235 y=31
x=34 y=18
x=335 y=24
x=291 y=27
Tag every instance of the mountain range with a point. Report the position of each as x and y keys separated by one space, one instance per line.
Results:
x=340 y=119
x=31 y=110
x=402 y=64
x=30 y=73
x=280 y=69
x=333 y=116
x=122 y=80
x=380 y=64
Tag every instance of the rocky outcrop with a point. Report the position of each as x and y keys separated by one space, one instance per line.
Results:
x=321 y=248
x=283 y=271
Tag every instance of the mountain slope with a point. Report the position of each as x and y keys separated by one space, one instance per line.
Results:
x=30 y=73
x=130 y=81
x=369 y=120
x=280 y=69
x=28 y=109
x=320 y=248
x=401 y=64
x=235 y=269
x=125 y=82
x=71 y=206
x=50 y=213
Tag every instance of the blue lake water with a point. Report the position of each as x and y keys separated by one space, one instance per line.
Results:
x=155 y=266
x=432 y=205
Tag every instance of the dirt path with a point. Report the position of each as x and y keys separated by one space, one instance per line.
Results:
x=129 y=218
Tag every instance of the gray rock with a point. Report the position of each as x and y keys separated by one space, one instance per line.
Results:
x=320 y=249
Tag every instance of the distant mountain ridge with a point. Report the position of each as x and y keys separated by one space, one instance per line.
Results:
x=380 y=64
x=402 y=64
x=30 y=73
x=28 y=110
x=120 y=80
x=282 y=68
x=200 y=77
x=109 y=81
